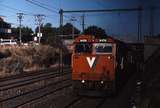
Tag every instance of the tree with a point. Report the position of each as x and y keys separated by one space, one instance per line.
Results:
x=67 y=29
x=26 y=33
x=95 y=31
x=49 y=35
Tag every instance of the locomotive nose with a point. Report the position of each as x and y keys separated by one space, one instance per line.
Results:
x=106 y=74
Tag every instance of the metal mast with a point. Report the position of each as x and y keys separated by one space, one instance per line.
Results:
x=20 y=19
x=39 y=19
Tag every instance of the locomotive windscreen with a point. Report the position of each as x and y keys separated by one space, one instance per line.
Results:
x=83 y=48
x=103 y=48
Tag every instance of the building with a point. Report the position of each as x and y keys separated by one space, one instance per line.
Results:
x=5 y=29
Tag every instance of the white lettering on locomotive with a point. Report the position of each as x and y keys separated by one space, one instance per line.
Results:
x=90 y=61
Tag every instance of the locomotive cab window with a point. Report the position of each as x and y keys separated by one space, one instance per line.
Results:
x=83 y=48
x=103 y=48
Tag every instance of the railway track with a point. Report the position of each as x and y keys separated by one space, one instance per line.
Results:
x=29 y=76
x=18 y=92
x=86 y=102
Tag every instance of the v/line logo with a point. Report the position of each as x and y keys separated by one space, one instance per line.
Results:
x=91 y=61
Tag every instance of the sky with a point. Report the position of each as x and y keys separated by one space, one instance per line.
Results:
x=119 y=24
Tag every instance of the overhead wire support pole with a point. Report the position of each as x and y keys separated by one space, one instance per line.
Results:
x=61 y=33
x=72 y=21
x=83 y=23
x=152 y=9
x=61 y=19
x=139 y=25
x=20 y=19
x=39 y=18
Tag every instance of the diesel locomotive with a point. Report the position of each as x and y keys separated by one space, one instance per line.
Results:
x=100 y=64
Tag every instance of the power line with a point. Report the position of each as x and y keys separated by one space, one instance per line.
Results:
x=40 y=5
x=11 y=8
x=24 y=12
x=97 y=2
x=46 y=5
x=32 y=2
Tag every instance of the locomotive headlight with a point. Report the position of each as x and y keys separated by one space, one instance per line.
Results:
x=83 y=81
x=139 y=82
x=102 y=82
x=109 y=57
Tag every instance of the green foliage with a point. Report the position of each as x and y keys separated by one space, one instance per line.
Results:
x=95 y=31
x=67 y=29
x=50 y=34
x=26 y=33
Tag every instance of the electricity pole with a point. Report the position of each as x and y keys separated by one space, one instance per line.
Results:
x=60 y=49
x=139 y=25
x=72 y=20
x=152 y=9
x=83 y=24
x=20 y=19
x=39 y=19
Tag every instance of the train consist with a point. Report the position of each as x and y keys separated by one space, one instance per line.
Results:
x=100 y=64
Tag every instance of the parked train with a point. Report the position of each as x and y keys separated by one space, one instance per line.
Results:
x=100 y=64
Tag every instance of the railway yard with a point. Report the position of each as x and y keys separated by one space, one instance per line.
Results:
x=53 y=89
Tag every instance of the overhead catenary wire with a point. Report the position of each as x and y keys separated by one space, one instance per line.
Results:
x=40 y=4
x=44 y=7
x=100 y=4
x=24 y=11
x=15 y=9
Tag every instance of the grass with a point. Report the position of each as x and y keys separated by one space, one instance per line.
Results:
x=16 y=59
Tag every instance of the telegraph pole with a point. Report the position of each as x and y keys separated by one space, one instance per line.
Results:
x=39 y=19
x=20 y=19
